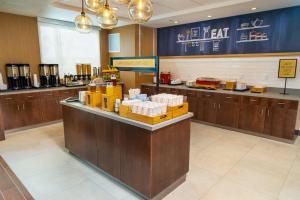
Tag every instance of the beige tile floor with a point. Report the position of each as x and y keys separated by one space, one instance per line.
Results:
x=224 y=165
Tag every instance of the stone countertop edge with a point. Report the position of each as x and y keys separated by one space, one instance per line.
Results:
x=114 y=116
x=246 y=93
x=39 y=90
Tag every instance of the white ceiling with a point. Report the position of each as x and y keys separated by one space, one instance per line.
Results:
x=165 y=11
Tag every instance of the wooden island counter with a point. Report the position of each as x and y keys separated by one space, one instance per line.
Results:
x=151 y=160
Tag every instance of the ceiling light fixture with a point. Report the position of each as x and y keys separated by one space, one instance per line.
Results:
x=107 y=16
x=253 y=8
x=175 y=22
x=122 y=1
x=140 y=11
x=83 y=22
x=94 y=5
x=209 y=16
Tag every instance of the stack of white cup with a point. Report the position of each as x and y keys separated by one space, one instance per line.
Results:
x=170 y=100
x=147 y=108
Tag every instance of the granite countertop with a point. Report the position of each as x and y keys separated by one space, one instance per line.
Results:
x=24 y=91
x=114 y=116
x=275 y=95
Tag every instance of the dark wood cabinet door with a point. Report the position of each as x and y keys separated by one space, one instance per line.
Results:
x=12 y=115
x=280 y=122
x=227 y=114
x=136 y=158
x=252 y=118
x=50 y=109
x=108 y=143
x=149 y=90
x=80 y=138
x=209 y=111
x=192 y=99
x=31 y=112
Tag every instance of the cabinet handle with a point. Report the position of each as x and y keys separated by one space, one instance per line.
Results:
x=214 y=105
x=208 y=95
x=253 y=100
x=8 y=98
x=23 y=106
x=219 y=106
x=29 y=96
x=262 y=111
x=18 y=108
x=281 y=103
x=268 y=113
x=228 y=97
x=49 y=94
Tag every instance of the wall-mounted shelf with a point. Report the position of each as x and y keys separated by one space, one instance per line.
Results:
x=246 y=41
x=201 y=40
x=254 y=27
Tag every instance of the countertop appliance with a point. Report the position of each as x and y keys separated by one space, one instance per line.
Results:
x=25 y=76
x=208 y=83
x=45 y=75
x=54 y=75
x=165 y=77
x=13 y=76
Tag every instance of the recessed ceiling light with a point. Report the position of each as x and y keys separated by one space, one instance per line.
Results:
x=174 y=21
x=209 y=16
x=254 y=8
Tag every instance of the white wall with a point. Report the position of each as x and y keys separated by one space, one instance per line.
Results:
x=263 y=70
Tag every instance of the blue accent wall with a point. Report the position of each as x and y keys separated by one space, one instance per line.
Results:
x=273 y=31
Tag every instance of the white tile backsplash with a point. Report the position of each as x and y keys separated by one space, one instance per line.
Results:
x=261 y=70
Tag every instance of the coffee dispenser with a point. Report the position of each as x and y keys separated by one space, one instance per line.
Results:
x=54 y=75
x=45 y=75
x=25 y=77
x=13 y=79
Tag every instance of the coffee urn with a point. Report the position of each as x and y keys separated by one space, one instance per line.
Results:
x=13 y=79
x=54 y=75
x=25 y=76
x=45 y=75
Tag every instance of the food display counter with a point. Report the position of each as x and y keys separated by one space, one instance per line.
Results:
x=152 y=160
x=271 y=114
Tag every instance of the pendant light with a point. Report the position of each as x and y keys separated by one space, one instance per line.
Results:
x=122 y=1
x=107 y=16
x=83 y=22
x=140 y=11
x=94 y=5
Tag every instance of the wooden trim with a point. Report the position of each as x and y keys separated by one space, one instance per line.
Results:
x=17 y=189
x=234 y=55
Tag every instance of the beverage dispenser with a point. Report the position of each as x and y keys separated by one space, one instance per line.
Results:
x=13 y=76
x=54 y=75
x=45 y=75
x=25 y=76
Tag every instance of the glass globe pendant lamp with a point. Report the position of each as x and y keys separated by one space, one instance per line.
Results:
x=122 y=1
x=94 y=5
x=83 y=22
x=107 y=16
x=140 y=11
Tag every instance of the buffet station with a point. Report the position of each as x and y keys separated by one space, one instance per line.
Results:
x=141 y=141
x=233 y=104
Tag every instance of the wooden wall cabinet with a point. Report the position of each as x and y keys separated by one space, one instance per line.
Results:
x=266 y=116
x=281 y=118
x=252 y=116
x=19 y=110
